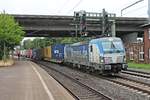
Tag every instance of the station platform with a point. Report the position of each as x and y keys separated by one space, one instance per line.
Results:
x=25 y=80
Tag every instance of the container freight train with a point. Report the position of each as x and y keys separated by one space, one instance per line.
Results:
x=54 y=53
x=105 y=55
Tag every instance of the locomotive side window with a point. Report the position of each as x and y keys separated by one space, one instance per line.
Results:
x=91 y=48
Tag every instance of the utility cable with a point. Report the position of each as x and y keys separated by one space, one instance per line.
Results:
x=130 y=6
x=134 y=10
x=62 y=7
x=77 y=4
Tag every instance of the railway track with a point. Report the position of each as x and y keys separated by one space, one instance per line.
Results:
x=132 y=84
x=83 y=87
x=137 y=73
x=78 y=89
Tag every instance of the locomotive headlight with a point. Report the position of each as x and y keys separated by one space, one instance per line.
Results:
x=102 y=59
x=124 y=59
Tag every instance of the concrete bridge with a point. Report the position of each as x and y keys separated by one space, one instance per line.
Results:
x=57 y=26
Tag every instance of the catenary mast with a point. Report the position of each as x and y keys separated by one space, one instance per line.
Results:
x=149 y=10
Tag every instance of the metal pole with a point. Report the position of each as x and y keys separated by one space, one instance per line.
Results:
x=4 y=51
x=149 y=10
x=103 y=21
x=130 y=6
x=4 y=57
x=113 y=29
x=76 y=30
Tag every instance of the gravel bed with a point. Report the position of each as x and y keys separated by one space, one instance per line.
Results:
x=115 y=91
x=136 y=78
x=139 y=70
x=81 y=92
x=137 y=74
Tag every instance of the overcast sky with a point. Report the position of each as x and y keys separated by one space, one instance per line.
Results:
x=67 y=7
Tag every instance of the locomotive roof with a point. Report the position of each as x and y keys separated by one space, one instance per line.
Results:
x=95 y=40
x=79 y=43
x=106 y=38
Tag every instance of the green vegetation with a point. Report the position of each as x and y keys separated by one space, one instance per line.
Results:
x=139 y=66
x=40 y=43
x=10 y=34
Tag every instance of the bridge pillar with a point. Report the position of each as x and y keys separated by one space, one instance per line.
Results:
x=113 y=29
x=130 y=38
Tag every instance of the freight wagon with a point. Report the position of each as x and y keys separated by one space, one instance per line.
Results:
x=57 y=53
x=47 y=53
x=37 y=54
x=29 y=53
x=54 y=53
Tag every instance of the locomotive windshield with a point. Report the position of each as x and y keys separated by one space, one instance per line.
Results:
x=112 y=46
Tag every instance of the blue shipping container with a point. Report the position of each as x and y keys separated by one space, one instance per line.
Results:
x=77 y=53
x=58 y=52
x=37 y=54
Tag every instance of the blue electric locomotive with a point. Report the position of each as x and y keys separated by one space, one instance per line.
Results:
x=106 y=55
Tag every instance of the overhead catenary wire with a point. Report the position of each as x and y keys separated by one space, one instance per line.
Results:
x=77 y=4
x=62 y=7
x=130 y=6
x=135 y=10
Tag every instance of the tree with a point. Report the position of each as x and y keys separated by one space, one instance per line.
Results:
x=10 y=34
x=27 y=44
x=44 y=42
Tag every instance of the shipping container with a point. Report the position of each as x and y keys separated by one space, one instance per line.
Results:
x=58 y=53
x=77 y=53
x=34 y=54
x=37 y=54
x=47 y=53
x=29 y=53
x=23 y=53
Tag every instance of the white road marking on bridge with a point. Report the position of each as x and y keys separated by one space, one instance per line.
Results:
x=43 y=83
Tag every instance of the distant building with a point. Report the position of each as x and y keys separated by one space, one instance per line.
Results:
x=147 y=43
x=135 y=52
x=140 y=51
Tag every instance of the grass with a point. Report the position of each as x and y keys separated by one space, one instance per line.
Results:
x=139 y=66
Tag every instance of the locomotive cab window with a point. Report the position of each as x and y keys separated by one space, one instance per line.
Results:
x=91 y=48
